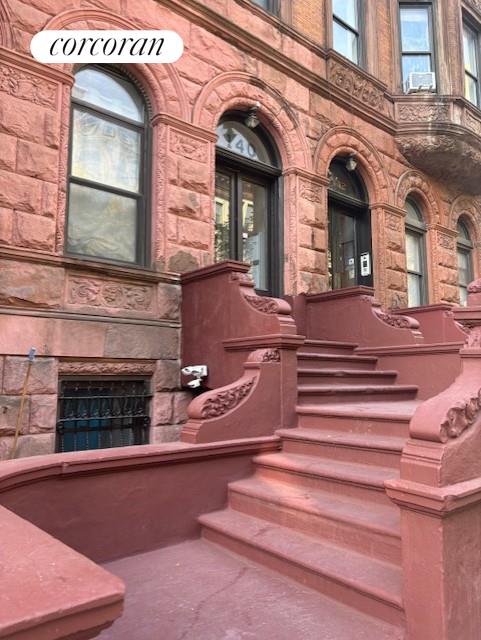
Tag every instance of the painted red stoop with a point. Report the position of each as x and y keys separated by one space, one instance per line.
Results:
x=317 y=511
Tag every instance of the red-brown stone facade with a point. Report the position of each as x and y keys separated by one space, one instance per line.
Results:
x=315 y=106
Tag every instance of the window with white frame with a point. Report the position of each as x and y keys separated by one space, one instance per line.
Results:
x=417 y=47
x=464 y=248
x=415 y=255
x=471 y=70
x=346 y=29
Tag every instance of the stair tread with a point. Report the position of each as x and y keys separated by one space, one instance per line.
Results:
x=330 y=343
x=360 y=388
x=335 y=356
x=389 y=410
x=347 y=372
x=358 y=440
x=377 y=578
x=378 y=517
x=354 y=472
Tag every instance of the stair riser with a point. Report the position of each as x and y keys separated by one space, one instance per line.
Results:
x=342 y=453
x=331 y=350
x=337 y=363
x=342 y=488
x=346 y=594
x=338 y=379
x=355 y=425
x=350 y=535
x=353 y=396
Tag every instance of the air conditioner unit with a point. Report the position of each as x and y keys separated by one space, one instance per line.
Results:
x=420 y=81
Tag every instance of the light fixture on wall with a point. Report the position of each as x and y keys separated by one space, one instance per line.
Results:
x=351 y=163
x=252 y=120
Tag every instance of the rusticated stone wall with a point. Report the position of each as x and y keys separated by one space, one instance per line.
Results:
x=91 y=318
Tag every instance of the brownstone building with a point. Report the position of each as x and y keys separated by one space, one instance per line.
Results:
x=329 y=144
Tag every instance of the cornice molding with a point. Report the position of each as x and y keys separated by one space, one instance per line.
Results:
x=27 y=63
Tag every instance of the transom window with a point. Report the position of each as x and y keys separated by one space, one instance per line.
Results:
x=416 y=38
x=465 y=261
x=415 y=255
x=345 y=29
x=471 y=66
x=97 y=414
x=107 y=185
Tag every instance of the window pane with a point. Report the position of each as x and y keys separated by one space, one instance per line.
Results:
x=222 y=217
x=463 y=296
x=464 y=267
x=102 y=224
x=347 y=11
x=105 y=152
x=415 y=29
x=254 y=231
x=469 y=49
x=413 y=214
x=113 y=94
x=414 y=290
x=239 y=139
x=420 y=64
x=342 y=249
x=470 y=89
x=413 y=252
x=345 y=42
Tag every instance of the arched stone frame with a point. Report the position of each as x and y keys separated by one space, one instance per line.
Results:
x=239 y=90
x=6 y=35
x=164 y=94
x=412 y=184
x=468 y=209
x=344 y=141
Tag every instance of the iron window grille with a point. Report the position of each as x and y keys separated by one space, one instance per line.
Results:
x=98 y=414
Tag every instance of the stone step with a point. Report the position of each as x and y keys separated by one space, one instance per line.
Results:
x=313 y=393
x=366 y=448
x=355 y=480
x=328 y=346
x=334 y=361
x=344 y=376
x=377 y=418
x=368 y=585
x=373 y=529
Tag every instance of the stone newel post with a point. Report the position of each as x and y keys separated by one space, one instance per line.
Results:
x=439 y=492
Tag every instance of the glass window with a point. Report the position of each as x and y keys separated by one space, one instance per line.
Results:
x=415 y=255
x=106 y=212
x=102 y=413
x=465 y=262
x=239 y=139
x=268 y=5
x=416 y=39
x=470 y=50
x=345 y=36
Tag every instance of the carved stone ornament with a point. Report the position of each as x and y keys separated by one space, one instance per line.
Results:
x=473 y=339
x=394 y=320
x=104 y=293
x=188 y=147
x=224 y=401
x=423 y=112
x=265 y=355
x=475 y=4
x=472 y=123
x=394 y=222
x=242 y=278
x=310 y=192
x=460 y=416
x=26 y=86
x=107 y=368
x=357 y=86
x=446 y=241
x=263 y=304
x=474 y=287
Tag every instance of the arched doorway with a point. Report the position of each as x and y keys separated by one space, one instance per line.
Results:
x=248 y=225
x=349 y=220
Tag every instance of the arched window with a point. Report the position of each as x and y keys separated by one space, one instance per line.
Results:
x=465 y=261
x=415 y=255
x=349 y=247
x=247 y=218
x=108 y=179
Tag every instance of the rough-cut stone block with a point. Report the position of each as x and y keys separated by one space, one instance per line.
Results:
x=20 y=192
x=151 y=343
x=43 y=414
x=35 y=445
x=167 y=375
x=9 y=408
x=34 y=232
x=8 y=146
x=169 y=301
x=162 y=408
x=6 y=225
x=183 y=202
x=26 y=17
x=182 y=262
x=214 y=50
x=43 y=375
x=193 y=233
x=49 y=200
x=182 y=399
x=26 y=284
x=52 y=130
x=37 y=161
x=21 y=118
x=194 y=175
x=312 y=261
x=165 y=433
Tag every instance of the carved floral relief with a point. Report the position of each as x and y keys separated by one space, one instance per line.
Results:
x=103 y=293
x=357 y=86
x=224 y=401
x=188 y=147
x=26 y=86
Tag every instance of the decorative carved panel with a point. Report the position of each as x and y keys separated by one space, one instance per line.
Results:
x=356 y=85
x=26 y=86
x=461 y=416
x=224 y=401
x=188 y=147
x=107 y=368
x=311 y=192
x=95 y=292
x=263 y=304
x=420 y=111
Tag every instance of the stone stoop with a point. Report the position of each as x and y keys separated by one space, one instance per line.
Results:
x=317 y=511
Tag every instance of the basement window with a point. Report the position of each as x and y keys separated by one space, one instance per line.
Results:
x=102 y=413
